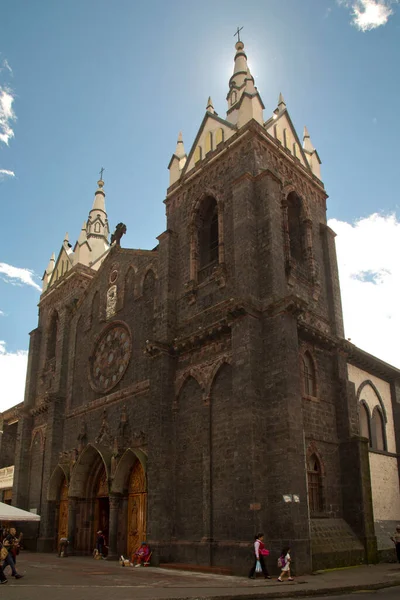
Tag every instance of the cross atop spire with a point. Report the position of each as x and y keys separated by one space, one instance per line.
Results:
x=238 y=33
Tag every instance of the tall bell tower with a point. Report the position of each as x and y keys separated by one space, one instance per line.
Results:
x=257 y=295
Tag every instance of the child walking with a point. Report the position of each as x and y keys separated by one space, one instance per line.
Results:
x=285 y=565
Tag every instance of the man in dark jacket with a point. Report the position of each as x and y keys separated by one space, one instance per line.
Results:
x=8 y=561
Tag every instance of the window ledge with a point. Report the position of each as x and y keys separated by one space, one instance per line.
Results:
x=384 y=453
x=311 y=398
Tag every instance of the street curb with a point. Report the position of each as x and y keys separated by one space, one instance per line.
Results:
x=296 y=593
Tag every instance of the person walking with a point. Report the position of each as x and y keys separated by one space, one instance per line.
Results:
x=101 y=543
x=259 y=553
x=284 y=561
x=396 y=539
x=12 y=543
x=8 y=561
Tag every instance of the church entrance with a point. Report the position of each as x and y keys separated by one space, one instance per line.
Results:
x=63 y=511
x=137 y=508
x=101 y=506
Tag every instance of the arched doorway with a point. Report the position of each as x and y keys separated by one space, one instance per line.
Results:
x=63 y=511
x=137 y=508
x=101 y=505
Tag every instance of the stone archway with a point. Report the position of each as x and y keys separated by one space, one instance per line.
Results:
x=130 y=482
x=89 y=497
x=57 y=494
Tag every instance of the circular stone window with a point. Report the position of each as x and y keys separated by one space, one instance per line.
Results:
x=110 y=357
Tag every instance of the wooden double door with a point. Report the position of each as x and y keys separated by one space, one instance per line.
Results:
x=137 y=508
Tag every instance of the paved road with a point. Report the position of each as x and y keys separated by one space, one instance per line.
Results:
x=387 y=594
x=46 y=577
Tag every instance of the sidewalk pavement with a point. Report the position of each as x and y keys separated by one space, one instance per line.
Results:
x=47 y=577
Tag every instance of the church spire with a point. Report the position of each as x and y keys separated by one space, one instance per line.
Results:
x=47 y=274
x=180 y=148
x=97 y=224
x=210 y=106
x=312 y=155
x=177 y=161
x=244 y=101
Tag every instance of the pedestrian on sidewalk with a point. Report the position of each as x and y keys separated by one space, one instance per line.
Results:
x=284 y=563
x=8 y=561
x=260 y=552
x=11 y=541
x=396 y=539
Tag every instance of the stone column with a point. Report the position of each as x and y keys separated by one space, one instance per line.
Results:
x=115 y=502
x=207 y=523
x=72 y=502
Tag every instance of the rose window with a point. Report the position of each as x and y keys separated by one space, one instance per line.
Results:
x=110 y=357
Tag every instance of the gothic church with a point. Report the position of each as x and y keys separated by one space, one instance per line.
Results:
x=196 y=393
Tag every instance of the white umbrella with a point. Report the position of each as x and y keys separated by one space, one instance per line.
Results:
x=11 y=513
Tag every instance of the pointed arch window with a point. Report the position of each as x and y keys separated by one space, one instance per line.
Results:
x=314 y=484
x=219 y=137
x=365 y=422
x=52 y=336
x=378 y=430
x=208 y=234
x=97 y=227
x=233 y=97
x=209 y=142
x=309 y=375
x=295 y=229
x=198 y=154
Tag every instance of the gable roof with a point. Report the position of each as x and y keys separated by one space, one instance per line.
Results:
x=207 y=117
x=281 y=117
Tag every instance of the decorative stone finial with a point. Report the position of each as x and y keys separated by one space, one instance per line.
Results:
x=210 y=107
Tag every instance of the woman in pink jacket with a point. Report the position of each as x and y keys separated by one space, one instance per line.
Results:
x=259 y=553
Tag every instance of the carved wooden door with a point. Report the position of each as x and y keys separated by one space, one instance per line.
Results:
x=137 y=508
x=63 y=511
x=101 y=507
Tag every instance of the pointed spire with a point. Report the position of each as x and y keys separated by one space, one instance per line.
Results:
x=51 y=265
x=66 y=243
x=97 y=226
x=281 y=103
x=244 y=101
x=98 y=202
x=47 y=274
x=210 y=107
x=177 y=161
x=82 y=236
x=240 y=68
x=307 y=143
x=311 y=154
x=180 y=148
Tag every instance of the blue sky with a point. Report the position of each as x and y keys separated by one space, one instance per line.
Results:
x=101 y=83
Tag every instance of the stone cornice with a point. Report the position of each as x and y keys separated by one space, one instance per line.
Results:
x=368 y=362
x=136 y=389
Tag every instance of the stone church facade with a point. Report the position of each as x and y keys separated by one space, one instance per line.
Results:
x=196 y=393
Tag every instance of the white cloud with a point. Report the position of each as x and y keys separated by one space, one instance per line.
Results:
x=5 y=173
x=5 y=65
x=369 y=14
x=18 y=276
x=369 y=271
x=12 y=376
x=2 y=313
x=7 y=114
